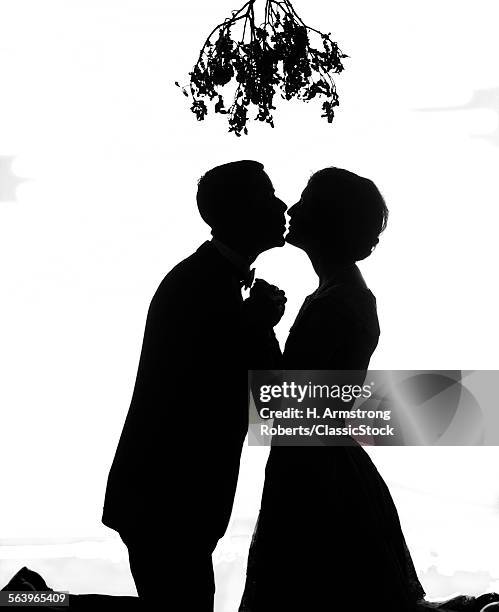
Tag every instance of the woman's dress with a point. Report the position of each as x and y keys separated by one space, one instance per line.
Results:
x=328 y=535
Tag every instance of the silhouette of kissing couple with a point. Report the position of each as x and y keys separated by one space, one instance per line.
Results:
x=328 y=532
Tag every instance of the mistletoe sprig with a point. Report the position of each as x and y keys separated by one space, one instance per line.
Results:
x=277 y=55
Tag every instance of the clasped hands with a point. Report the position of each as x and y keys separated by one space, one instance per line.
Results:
x=265 y=304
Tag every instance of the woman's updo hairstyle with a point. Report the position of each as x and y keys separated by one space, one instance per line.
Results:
x=352 y=210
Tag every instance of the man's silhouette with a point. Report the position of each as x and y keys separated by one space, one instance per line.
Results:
x=172 y=482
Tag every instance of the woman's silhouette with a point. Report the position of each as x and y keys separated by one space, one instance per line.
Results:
x=328 y=535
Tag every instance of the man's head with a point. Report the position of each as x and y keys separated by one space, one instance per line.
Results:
x=237 y=200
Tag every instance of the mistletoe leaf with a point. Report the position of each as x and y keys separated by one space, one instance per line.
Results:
x=276 y=57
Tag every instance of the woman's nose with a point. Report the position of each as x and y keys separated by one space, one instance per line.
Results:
x=292 y=210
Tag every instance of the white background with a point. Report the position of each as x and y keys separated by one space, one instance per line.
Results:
x=111 y=152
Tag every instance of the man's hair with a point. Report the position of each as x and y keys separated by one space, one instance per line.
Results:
x=222 y=187
x=356 y=203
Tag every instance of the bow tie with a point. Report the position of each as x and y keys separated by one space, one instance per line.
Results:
x=248 y=278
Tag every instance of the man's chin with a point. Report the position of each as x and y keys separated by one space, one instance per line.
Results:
x=278 y=241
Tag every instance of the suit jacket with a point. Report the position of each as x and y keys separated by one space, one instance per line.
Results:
x=177 y=459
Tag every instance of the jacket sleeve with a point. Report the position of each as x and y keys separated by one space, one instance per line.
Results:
x=263 y=350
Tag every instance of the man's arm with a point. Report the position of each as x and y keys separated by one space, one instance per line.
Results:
x=261 y=313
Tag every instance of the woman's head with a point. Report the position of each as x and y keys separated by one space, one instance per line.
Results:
x=340 y=215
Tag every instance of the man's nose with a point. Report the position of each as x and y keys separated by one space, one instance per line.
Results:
x=282 y=206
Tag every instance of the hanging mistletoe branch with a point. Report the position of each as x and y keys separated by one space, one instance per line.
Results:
x=258 y=60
